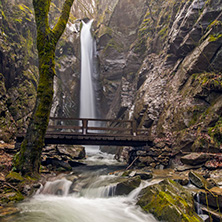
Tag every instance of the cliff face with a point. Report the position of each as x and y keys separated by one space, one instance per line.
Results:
x=159 y=63
x=167 y=74
x=18 y=67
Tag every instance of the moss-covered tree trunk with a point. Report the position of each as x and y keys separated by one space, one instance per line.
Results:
x=28 y=159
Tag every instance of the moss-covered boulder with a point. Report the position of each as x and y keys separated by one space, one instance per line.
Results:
x=168 y=201
x=14 y=177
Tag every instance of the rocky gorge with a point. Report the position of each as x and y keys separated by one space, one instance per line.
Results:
x=157 y=62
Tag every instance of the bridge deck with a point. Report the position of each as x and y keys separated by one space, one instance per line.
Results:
x=116 y=133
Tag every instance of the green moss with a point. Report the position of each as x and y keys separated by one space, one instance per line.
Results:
x=216 y=131
x=164 y=31
x=14 y=177
x=11 y=197
x=168 y=201
x=113 y=44
x=215 y=37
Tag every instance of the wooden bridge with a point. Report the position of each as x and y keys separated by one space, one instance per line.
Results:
x=82 y=131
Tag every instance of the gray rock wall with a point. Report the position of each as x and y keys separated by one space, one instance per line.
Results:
x=168 y=77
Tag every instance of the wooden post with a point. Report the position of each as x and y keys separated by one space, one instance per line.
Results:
x=133 y=128
x=84 y=126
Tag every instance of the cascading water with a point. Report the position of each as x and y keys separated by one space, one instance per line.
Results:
x=93 y=203
x=87 y=86
x=87 y=94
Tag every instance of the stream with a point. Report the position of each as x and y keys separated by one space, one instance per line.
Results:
x=92 y=198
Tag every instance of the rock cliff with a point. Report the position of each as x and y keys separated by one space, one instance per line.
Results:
x=159 y=63
x=164 y=69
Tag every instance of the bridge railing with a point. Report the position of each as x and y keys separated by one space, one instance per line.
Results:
x=87 y=126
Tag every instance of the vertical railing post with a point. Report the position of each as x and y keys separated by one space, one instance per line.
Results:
x=84 y=126
x=133 y=128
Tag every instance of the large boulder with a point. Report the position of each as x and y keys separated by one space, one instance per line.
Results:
x=127 y=185
x=62 y=157
x=168 y=201
x=211 y=198
x=194 y=158
x=73 y=151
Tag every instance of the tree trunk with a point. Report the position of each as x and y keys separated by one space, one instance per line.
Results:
x=28 y=159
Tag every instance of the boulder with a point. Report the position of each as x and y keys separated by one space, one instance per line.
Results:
x=194 y=158
x=212 y=198
x=147 y=160
x=215 y=215
x=168 y=201
x=14 y=178
x=143 y=175
x=199 y=181
x=127 y=185
x=213 y=164
x=73 y=151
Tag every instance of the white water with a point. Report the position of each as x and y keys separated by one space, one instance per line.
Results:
x=87 y=91
x=93 y=205
x=87 y=94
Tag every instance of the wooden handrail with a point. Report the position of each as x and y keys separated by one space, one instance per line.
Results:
x=90 y=119
x=85 y=126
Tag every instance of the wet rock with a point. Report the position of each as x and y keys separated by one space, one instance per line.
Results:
x=143 y=175
x=186 y=167
x=58 y=164
x=183 y=181
x=214 y=214
x=36 y=185
x=127 y=185
x=212 y=198
x=199 y=181
x=213 y=164
x=168 y=201
x=27 y=189
x=194 y=158
x=75 y=163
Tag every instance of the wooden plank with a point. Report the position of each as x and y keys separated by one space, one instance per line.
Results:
x=108 y=129
x=64 y=127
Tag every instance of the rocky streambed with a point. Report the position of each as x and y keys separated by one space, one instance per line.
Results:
x=104 y=185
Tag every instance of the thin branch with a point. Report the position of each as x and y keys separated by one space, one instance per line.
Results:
x=61 y=24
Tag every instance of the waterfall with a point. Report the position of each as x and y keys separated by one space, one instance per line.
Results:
x=87 y=94
x=87 y=85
